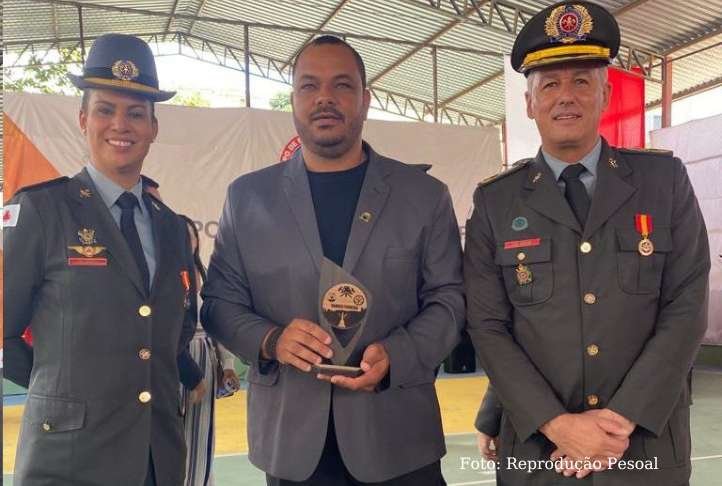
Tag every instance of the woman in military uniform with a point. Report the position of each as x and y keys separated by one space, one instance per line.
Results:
x=101 y=273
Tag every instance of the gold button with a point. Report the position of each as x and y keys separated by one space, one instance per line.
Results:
x=590 y=298
x=592 y=400
x=145 y=310
x=144 y=354
x=521 y=256
x=46 y=427
x=144 y=397
x=592 y=350
x=585 y=247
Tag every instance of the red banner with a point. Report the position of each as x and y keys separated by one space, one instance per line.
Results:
x=623 y=122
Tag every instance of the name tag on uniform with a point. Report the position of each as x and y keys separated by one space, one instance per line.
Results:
x=509 y=245
x=88 y=262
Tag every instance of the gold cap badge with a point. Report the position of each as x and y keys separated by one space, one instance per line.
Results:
x=125 y=70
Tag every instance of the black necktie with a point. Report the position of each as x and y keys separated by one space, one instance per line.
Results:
x=127 y=203
x=575 y=192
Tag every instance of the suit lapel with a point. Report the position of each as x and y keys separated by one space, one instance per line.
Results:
x=298 y=194
x=373 y=196
x=612 y=188
x=543 y=195
x=93 y=214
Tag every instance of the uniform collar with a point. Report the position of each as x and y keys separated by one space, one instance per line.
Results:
x=110 y=191
x=589 y=161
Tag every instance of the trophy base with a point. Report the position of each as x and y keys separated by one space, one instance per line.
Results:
x=331 y=370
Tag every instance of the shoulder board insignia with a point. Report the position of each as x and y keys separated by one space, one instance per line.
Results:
x=646 y=151
x=421 y=167
x=44 y=184
x=516 y=167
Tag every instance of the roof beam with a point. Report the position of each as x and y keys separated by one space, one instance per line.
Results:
x=423 y=44
x=421 y=110
x=322 y=26
x=170 y=17
x=499 y=9
x=200 y=8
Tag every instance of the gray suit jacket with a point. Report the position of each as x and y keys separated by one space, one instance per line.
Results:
x=84 y=423
x=265 y=272
x=603 y=328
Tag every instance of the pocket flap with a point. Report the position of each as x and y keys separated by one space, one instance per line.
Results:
x=60 y=414
x=532 y=254
x=629 y=239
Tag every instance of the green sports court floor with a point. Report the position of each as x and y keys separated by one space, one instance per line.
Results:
x=459 y=398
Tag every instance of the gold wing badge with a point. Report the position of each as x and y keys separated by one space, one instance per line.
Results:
x=87 y=248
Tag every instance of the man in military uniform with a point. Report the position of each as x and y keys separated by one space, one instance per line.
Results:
x=102 y=273
x=586 y=273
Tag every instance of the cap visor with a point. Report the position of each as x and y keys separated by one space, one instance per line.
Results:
x=116 y=85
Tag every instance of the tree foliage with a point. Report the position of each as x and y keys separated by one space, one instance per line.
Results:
x=189 y=98
x=281 y=101
x=48 y=79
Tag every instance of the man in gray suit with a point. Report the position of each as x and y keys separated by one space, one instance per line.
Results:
x=393 y=228
x=586 y=272
x=101 y=272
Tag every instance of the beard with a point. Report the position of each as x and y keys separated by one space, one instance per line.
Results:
x=329 y=146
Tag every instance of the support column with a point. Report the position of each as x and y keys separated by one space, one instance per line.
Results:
x=247 y=64
x=435 y=75
x=666 y=93
x=82 y=34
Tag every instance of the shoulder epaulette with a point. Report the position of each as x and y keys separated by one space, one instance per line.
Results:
x=646 y=151
x=44 y=184
x=421 y=167
x=516 y=167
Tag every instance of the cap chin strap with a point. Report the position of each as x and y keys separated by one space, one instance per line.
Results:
x=580 y=51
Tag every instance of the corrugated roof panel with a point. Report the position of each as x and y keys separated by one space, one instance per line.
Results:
x=656 y=25
x=395 y=20
x=459 y=72
x=659 y=25
x=489 y=96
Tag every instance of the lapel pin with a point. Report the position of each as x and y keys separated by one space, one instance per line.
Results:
x=155 y=205
x=365 y=217
x=613 y=163
x=537 y=177
x=85 y=193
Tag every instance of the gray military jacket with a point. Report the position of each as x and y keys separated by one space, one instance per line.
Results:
x=567 y=320
x=102 y=373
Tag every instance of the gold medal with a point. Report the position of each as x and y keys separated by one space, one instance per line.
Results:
x=524 y=275
x=646 y=247
x=643 y=223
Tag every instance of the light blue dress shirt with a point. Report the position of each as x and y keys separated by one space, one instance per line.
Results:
x=110 y=192
x=589 y=161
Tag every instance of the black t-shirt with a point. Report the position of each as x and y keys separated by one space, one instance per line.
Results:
x=335 y=195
